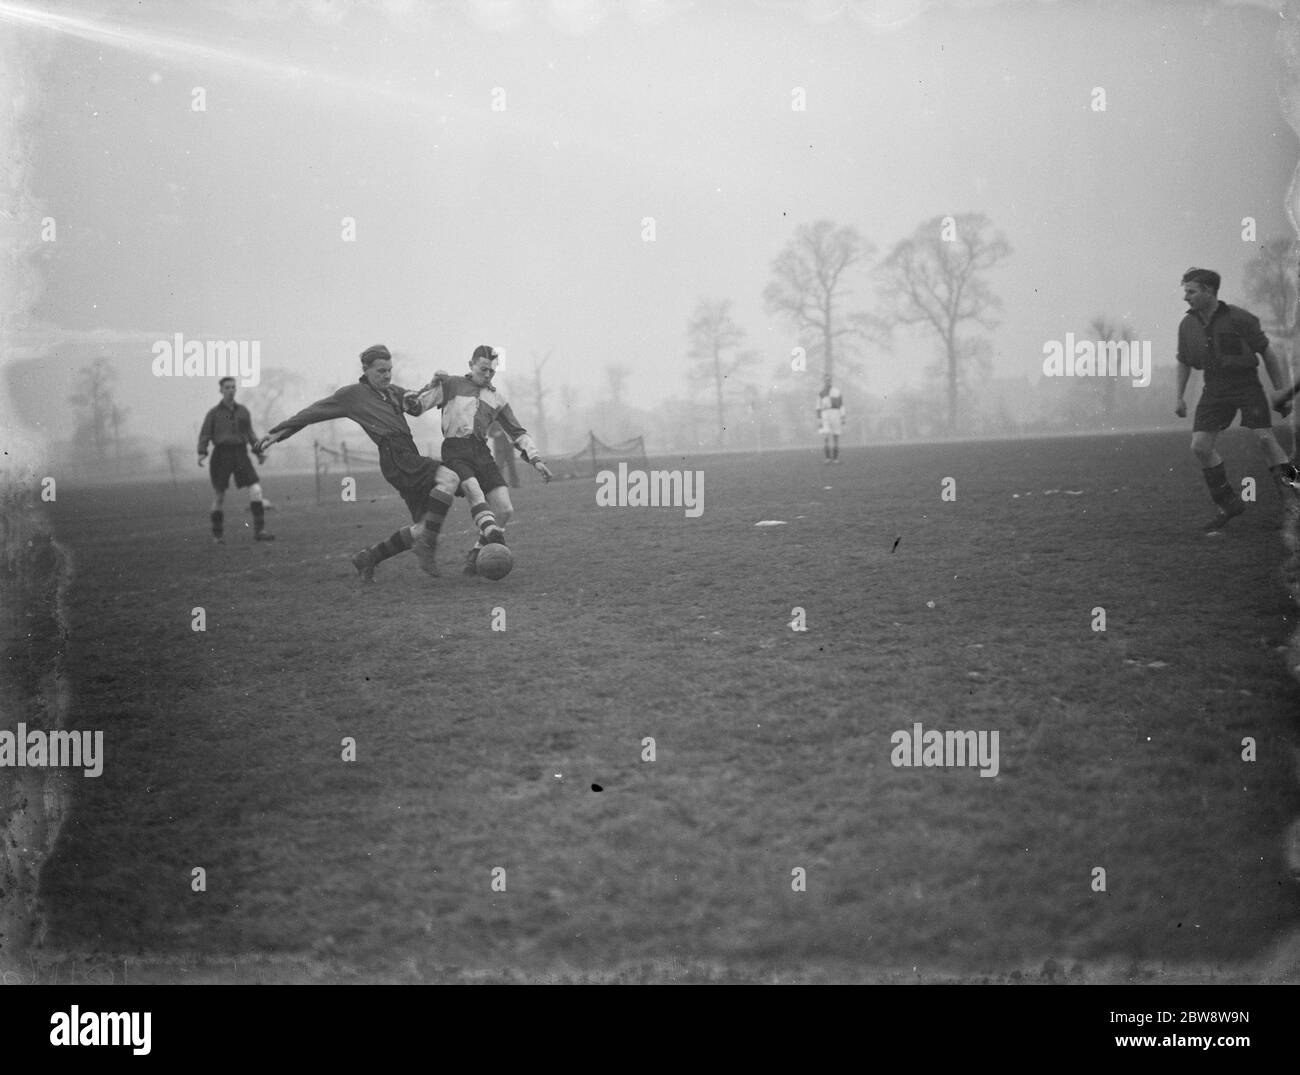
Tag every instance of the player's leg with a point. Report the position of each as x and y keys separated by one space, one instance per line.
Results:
x=1284 y=472
x=398 y=542
x=415 y=477
x=835 y=447
x=1213 y=416
x=218 y=516
x=425 y=534
x=1256 y=417
x=483 y=509
x=219 y=474
x=502 y=511
x=259 y=513
x=246 y=478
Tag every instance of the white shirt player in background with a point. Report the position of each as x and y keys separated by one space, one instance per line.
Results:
x=830 y=410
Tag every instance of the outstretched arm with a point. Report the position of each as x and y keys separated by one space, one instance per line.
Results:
x=322 y=410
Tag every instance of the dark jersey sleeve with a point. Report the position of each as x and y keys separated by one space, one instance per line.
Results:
x=205 y=432
x=323 y=410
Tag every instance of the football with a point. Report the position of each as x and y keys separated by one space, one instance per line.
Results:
x=495 y=561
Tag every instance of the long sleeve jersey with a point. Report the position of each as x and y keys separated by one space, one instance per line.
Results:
x=469 y=411
x=380 y=414
x=226 y=425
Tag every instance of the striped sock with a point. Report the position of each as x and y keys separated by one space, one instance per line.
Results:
x=259 y=516
x=439 y=505
x=399 y=542
x=483 y=518
x=218 y=518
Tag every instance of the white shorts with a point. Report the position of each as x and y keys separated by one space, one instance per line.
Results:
x=832 y=423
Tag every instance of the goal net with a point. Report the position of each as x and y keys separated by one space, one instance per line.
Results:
x=596 y=456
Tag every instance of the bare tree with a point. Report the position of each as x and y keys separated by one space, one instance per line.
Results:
x=811 y=285
x=116 y=416
x=932 y=279
x=570 y=405
x=93 y=395
x=616 y=374
x=539 y=394
x=712 y=332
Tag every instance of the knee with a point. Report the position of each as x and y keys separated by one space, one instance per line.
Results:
x=504 y=514
x=446 y=481
x=255 y=491
x=1202 y=447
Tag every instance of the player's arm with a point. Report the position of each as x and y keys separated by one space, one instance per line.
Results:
x=323 y=410
x=1274 y=368
x=254 y=441
x=1184 y=372
x=522 y=441
x=205 y=437
x=432 y=395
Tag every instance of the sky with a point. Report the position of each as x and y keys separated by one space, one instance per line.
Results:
x=523 y=225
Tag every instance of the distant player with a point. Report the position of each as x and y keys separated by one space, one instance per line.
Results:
x=229 y=428
x=378 y=407
x=830 y=412
x=1223 y=341
x=470 y=405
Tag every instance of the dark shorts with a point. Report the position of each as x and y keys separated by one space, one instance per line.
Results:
x=409 y=472
x=470 y=457
x=228 y=460
x=1220 y=402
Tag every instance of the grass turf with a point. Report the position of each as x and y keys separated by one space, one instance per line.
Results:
x=479 y=749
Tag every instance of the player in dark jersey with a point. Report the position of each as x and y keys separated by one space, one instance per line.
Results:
x=1223 y=341
x=470 y=405
x=228 y=427
x=378 y=406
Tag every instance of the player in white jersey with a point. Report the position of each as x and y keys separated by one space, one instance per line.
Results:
x=830 y=411
x=470 y=406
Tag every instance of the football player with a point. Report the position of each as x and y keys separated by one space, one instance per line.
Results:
x=830 y=411
x=1226 y=342
x=378 y=406
x=470 y=405
x=229 y=428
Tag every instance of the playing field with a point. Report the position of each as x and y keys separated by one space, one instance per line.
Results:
x=478 y=749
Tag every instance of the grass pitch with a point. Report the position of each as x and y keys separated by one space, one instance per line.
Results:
x=479 y=749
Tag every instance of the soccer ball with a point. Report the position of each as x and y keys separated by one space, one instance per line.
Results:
x=495 y=561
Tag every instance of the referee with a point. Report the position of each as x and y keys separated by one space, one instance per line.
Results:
x=229 y=427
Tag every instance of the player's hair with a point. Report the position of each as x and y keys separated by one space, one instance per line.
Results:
x=1207 y=277
x=373 y=354
x=222 y=383
x=483 y=350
